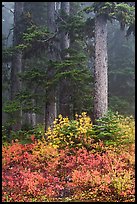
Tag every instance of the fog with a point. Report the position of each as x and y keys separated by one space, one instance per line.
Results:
x=121 y=55
x=7 y=21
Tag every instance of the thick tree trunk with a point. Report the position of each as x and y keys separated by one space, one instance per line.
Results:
x=65 y=41
x=101 y=68
x=64 y=95
x=16 y=60
x=51 y=105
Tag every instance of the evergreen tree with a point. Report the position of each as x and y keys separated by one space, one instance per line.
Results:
x=124 y=13
x=64 y=95
x=16 y=61
x=57 y=47
x=101 y=66
x=51 y=105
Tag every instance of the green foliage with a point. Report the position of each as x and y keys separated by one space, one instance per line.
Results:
x=33 y=39
x=107 y=128
x=125 y=14
x=37 y=80
x=121 y=11
x=24 y=135
x=74 y=25
x=115 y=129
x=20 y=135
x=112 y=129
x=38 y=131
x=12 y=106
x=34 y=33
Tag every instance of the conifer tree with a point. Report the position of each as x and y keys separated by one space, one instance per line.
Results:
x=104 y=11
x=17 y=61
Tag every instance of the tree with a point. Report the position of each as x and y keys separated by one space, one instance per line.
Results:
x=16 y=61
x=124 y=13
x=34 y=15
x=101 y=68
x=7 y=28
x=64 y=96
x=28 y=23
x=55 y=44
x=37 y=11
x=65 y=41
x=51 y=105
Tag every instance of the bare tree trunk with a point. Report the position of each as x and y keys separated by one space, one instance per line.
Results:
x=65 y=41
x=51 y=105
x=64 y=95
x=16 y=60
x=101 y=68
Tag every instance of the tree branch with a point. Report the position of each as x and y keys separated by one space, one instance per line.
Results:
x=60 y=18
x=51 y=37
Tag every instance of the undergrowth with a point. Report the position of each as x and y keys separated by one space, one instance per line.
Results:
x=73 y=161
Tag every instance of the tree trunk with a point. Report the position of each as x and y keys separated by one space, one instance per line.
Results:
x=16 y=60
x=101 y=68
x=38 y=14
x=64 y=95
x=51 y=105
x=65 y=41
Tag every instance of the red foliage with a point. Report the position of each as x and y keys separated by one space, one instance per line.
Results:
x=25 y=176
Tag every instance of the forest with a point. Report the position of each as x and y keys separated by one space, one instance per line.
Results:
x=68 y=101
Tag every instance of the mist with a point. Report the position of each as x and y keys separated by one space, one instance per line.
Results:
x=7 y=21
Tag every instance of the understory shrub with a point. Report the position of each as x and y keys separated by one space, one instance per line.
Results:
x=43 y=173
x=22 y=135
x=68 y=163
x=113 y=129
x=70 y=133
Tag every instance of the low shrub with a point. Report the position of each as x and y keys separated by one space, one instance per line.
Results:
x=42 y=172
x=71 y=162
x=70 y=133
x=113 y=129
x=23 y=135
x=127 y=126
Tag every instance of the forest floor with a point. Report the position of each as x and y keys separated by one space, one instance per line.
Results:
x=38 y=170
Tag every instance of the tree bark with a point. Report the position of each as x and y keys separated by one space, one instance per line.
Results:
x=101 y=68
x=16 y=60
x=64 y=95
x=65 y=41
x=51 y=105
